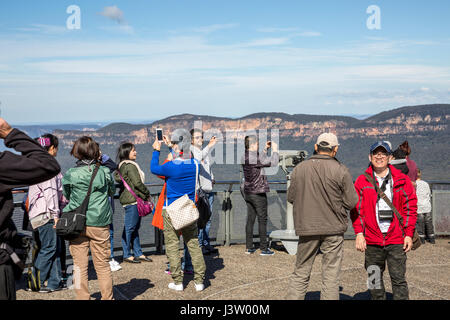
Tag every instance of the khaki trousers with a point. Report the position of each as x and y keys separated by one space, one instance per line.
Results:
x=308 y=248
x=172 y=242
x=96 y=239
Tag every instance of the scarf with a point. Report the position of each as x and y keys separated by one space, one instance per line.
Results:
x=141 y=173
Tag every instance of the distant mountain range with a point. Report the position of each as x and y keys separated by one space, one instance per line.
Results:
x=426 y=127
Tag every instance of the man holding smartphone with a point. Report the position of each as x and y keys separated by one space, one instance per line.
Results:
x=206 y=182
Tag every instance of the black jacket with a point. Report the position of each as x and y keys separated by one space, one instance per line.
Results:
x=35 y=165
x=254 y=177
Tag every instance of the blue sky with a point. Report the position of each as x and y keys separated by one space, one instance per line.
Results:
x=145 y=60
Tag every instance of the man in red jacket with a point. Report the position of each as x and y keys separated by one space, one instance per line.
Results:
x=378 y=231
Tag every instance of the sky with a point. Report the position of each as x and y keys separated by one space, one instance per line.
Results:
x=141 y=60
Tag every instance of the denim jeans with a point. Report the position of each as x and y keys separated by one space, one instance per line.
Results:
x=130 y=234
x=186 y=264
x=48 y=259
x=203 y=234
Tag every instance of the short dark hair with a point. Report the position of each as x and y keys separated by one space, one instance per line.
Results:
x=85 y=148
x=123 y=153
x=321 y=148
x=249 y=140
x=54 y=142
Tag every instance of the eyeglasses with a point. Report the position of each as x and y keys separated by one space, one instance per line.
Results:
x=380 y=155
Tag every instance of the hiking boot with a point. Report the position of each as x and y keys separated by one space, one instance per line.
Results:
x=267 y=252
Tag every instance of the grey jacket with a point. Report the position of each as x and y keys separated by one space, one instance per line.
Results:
x=321 y=191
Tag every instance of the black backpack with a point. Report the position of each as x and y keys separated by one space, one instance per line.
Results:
x=203 y=209
x=71 y=224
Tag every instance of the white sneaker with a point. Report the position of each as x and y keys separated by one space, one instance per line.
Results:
x=199 y=287
x=115 y=262
x=176 y=287
x=114 y=266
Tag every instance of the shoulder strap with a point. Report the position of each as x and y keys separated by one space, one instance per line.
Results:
x=196 y=178
x=385 y=198
x=85 y=203
x=127 y=186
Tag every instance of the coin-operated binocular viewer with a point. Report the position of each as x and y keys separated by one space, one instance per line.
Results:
x=288 y=159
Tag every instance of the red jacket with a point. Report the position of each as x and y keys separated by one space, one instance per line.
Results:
x=364 y=214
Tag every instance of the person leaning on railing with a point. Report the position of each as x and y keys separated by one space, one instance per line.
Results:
x=35 y=165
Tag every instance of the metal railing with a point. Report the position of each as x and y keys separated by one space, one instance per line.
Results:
x=229 y=212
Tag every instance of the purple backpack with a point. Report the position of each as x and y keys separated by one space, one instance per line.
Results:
x=144 y=207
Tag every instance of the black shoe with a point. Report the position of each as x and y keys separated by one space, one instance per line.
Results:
x=131 y=260
x=211 y=250
x=45 y=289
x=432 y=241
x=145 y=259
x=267 y=252
x=250 y=251
x=422 y=240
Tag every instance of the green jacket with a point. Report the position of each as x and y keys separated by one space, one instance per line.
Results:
x=131 y=175
x=75 y=186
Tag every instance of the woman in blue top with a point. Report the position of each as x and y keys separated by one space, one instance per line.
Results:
x=180 y=178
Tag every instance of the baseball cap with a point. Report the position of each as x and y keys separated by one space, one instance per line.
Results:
x=327 y=140
x=382 y=144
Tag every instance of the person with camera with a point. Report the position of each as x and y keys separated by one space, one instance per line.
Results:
x=33 y=166
x=255 y=189
x=379 y=233
x=321 y=192
x=206 y=183
x=181 y=175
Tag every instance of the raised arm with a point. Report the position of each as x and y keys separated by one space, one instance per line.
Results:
x=34 y=166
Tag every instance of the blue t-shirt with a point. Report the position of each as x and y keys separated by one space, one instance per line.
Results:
x=180 y=176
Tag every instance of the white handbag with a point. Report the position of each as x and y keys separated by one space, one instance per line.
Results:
x=183 y=211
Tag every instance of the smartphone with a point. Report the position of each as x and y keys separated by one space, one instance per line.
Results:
x=159 y=134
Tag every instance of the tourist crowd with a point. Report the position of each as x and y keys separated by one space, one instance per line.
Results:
x=384 y=202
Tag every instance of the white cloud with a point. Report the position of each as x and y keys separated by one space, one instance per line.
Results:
x=113 y=13
x=43 y=28
x=275 y=29
x=309 y=34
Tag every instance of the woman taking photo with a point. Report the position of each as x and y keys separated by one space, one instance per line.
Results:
x=135 y=178
x=98 y=217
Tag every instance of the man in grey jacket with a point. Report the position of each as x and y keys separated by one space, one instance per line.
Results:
x=321 y=191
